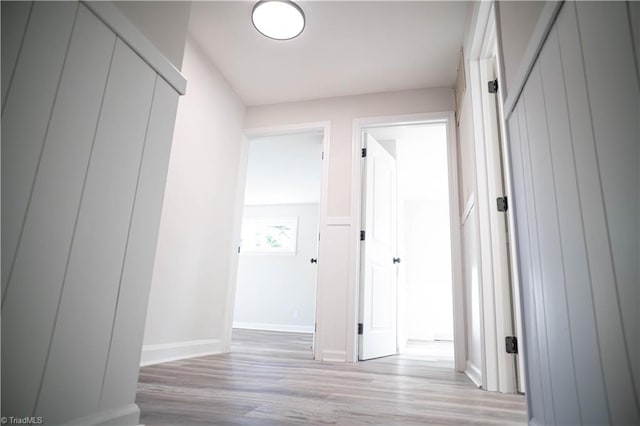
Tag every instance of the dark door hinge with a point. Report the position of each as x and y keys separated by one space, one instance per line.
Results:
x=502 y=203
x=493 y=86
x=361 y=235
x=360 y=328
x=511 y=343
x=364 y=152
x=323 y=155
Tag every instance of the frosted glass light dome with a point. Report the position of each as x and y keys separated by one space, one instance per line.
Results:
x=278 y=19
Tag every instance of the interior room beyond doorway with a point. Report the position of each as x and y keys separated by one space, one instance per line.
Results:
x=276 y=279
x=424 y=273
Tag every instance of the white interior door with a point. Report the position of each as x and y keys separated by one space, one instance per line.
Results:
x=378 y=302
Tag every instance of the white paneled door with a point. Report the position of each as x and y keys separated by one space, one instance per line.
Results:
x=379 y=274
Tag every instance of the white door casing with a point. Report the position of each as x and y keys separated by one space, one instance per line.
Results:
x=379 y=274
x=499 y=232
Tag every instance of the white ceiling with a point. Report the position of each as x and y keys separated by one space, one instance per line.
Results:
x=284 y=169
x=347 y=48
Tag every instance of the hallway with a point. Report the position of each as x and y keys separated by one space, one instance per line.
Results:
x=269 y=378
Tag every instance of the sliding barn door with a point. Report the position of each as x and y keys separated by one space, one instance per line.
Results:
x=575 y=139
x=86 y=135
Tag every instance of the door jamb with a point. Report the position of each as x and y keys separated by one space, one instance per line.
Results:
x=325 y=127
x=447 y=117
x=485 y=38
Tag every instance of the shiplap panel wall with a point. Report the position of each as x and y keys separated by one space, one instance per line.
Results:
x=575 y=148
x=86 y=135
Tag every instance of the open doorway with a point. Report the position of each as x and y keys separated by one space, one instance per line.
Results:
x=407 y=273
x=275 y=298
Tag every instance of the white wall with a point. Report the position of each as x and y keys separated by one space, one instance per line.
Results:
x=278 y=291
x=187 y=306
x=427 y=262
x=164 y=23
x=575 y=139
x=284 y=169
x=336 y=261
x=517 y=20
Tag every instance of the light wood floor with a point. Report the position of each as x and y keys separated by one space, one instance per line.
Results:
x=270 y=379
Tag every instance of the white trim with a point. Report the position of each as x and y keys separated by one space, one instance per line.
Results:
x=333 y=356
x=325 y=128
x=496 y=309
x=125 y=415
x=468 y=207
x=286 y=328
x=129 y=33
x=286 y=129
x=156 y=354
x=473 y=372
x=545 y=22
x=359 y=124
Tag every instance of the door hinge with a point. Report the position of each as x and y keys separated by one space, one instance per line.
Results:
x=361 y=235
x=493 y=86
x=364 y=152
x=502 y=203
x=238 y=249
x=323 y=155
x=360 y=328
x=511 y=343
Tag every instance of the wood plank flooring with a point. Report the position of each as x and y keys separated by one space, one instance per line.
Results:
x=269 y=378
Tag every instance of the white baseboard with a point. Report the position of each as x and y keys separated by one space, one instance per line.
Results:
x=474 y=373
x=273 y=327
x=333 y=356
x=126 y=415
x=156 y=354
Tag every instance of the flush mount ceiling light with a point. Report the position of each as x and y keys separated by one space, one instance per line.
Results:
x=278 y=19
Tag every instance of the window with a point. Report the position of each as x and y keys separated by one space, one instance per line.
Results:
x=269 y=235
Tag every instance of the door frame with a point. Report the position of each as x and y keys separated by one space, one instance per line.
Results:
x=447 y=118
x=500 y=308
x=325 y=128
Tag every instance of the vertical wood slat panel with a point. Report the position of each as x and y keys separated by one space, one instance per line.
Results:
x=42 y=254
x=552 y=274
x=71 y=385
x=25 y=117
x=634 y=11
x=615 y=102
x=586 y=358
x=531 y=346
x=609 y=325
x=121 y=376
x=15 y=17
x=535 y=277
